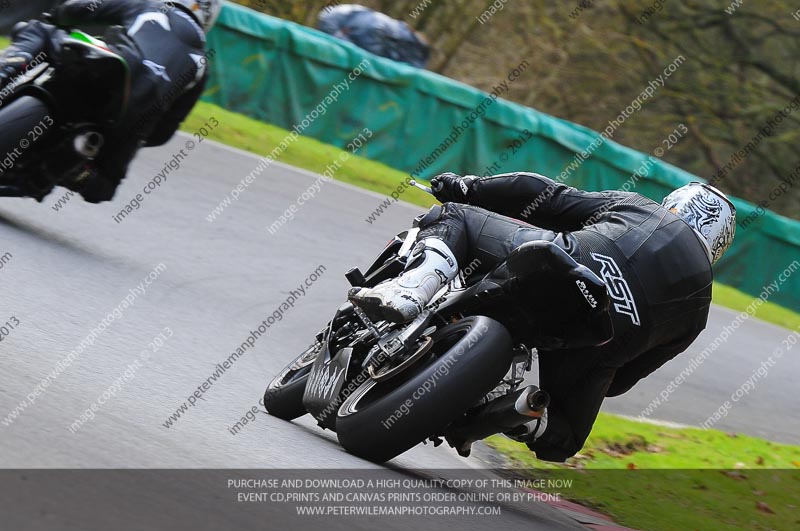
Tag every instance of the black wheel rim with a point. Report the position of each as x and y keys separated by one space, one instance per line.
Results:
x=372 y=391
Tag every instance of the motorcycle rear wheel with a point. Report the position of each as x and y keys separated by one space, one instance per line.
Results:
x=381 y=420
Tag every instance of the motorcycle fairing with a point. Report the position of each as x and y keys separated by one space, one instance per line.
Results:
x=325 y=382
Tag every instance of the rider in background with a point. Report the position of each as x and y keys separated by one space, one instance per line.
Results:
x=655 y=260
x=164 y=46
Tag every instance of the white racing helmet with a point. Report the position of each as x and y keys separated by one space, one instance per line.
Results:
x=709 y=212
x=206 y=11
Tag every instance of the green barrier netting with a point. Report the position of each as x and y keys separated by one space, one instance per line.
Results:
x=280 y=72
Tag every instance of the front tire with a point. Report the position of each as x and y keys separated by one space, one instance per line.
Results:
x=284 y=395
x=380 y=421
x=18 y=120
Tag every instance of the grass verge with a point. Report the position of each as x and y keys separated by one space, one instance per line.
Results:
x=252 y=135
x=261 y=138
x=659 y=478
x=769 y=312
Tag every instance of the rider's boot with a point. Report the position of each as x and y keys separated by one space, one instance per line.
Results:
x=399 y=300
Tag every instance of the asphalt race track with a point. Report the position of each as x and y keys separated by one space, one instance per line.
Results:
x=69 y=269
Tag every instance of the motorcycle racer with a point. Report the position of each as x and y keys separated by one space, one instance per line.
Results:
x=655 y=260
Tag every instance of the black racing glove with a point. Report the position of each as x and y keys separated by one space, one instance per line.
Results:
x=451 y=188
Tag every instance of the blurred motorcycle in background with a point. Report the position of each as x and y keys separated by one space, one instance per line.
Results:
x=55 y=113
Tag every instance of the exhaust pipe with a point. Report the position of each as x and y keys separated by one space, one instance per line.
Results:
x=533 y=403
x=498 y=416
x=88 y=144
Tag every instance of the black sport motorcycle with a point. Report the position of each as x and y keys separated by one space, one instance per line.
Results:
x=54 y=114
x=452 y=373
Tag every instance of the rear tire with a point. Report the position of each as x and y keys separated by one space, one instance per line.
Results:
x=284 y=395
x=467 y=361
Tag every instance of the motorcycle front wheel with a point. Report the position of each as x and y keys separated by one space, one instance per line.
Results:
x=284 y=395
x=21 y=121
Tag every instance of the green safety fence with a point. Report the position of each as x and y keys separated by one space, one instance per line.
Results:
x=423 y=123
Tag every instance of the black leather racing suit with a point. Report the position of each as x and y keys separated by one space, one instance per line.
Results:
x=655 y=267
x=164 y=46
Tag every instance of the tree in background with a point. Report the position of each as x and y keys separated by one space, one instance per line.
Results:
x=591 y=59
x=301 y=12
